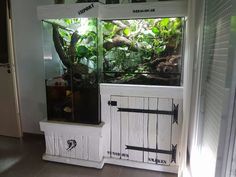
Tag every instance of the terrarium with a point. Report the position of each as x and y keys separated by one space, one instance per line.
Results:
x=79 y=53
x=71 y=69
x=143 y=51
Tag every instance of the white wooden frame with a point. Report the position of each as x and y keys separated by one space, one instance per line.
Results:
x=154 y=9
x=114 y=11
x=142 y=90
x=58 y=11
x=105 y=12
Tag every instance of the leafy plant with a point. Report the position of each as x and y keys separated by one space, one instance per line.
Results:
x=75 y=41
x=141 y=46
x=131 y=48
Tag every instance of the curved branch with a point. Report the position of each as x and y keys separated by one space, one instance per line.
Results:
x=119 y=24
x=57 y=39
x=72 y=48
x=119 y=41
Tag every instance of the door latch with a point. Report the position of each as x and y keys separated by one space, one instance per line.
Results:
x=112 y=103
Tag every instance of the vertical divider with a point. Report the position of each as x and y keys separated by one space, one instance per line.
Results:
x=145 y=129
x=152 y=130
x=124 y=103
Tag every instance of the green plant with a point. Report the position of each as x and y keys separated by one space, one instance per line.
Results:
x=141 y=46
x=75 y=41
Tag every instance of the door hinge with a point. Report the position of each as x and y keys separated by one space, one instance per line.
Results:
x=175 y=113
x=173 y=155
x=112 y=103
x=172 y=152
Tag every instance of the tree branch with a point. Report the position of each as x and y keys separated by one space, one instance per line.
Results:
x=59 y=46
x=119 y=41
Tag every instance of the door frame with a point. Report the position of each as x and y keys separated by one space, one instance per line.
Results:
x=11 y=51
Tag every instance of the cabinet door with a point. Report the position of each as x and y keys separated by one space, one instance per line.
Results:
x=140 y=131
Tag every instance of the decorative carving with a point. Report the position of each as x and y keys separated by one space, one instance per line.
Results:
x=71 y=144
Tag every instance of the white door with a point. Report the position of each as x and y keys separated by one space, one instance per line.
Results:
x=143 y=129
x=9 y=123
x=9 y=119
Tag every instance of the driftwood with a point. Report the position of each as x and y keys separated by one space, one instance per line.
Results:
x=170 y=65
x=72 y=48
x=68 y=56
x=120 y=41
x=119 y=24
x=58 y=43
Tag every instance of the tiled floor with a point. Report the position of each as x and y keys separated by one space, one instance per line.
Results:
x=22 y=158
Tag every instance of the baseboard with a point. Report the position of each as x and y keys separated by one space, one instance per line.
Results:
x=72 y=161
x=99 y=165
x=140 y=165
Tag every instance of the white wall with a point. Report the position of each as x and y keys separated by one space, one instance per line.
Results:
x=29 y=63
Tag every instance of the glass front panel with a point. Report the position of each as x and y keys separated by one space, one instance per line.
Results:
x=77 y=50
x=143 y=51
x=71 y=69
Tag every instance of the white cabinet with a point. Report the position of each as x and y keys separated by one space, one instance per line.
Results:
x=143 y=124
x=73 y=143
x=140 y=128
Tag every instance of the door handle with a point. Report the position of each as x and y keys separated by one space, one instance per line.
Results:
x=7 y=66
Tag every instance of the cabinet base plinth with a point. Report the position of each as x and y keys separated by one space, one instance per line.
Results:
x=72 y=161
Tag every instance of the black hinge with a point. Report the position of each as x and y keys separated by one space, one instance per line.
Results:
x=174 y=112
x=172 y=152
x=145 y=111
x=173 y=156
x=112 y=103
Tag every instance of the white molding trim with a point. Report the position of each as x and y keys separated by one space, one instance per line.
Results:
x=71 y=128
x=139 y=165
x=114 y=11
x=159 y=9
x=99 y=165
x=58 y=11
x=142 y=90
